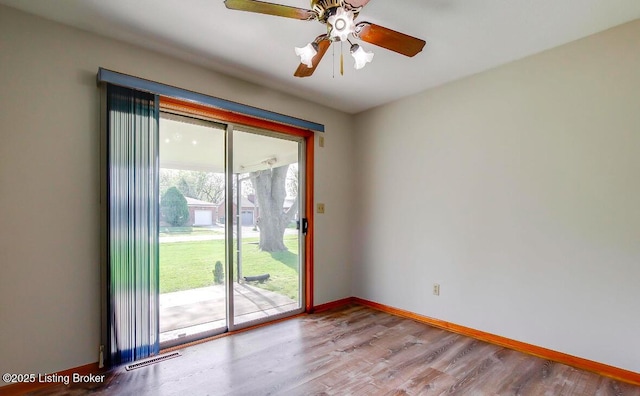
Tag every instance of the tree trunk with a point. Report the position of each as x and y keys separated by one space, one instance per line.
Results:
x=270 y=188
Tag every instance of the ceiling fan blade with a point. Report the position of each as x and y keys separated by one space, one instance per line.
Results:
x=323 y=45
x=357 y=3
x=389 y=39
x=262 y=7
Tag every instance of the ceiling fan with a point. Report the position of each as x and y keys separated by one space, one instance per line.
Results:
x=339 y=17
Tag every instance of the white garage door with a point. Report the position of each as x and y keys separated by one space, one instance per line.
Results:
x=247 y=218
x=202 y=218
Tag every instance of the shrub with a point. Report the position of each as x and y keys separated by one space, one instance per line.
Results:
x=173 y=207
x=218 y=274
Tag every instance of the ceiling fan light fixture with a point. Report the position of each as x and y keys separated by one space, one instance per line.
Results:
x=338 y=19
x=307 y=53
x=342 y=24
x=361 y=56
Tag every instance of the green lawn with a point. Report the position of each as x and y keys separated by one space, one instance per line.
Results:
x=188 y=265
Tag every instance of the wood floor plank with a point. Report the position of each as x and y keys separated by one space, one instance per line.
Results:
x=428 y=381
x=353 y=350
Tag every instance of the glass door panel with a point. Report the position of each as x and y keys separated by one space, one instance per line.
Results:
x=267 y=242
x=227 y=265
x=192 y=234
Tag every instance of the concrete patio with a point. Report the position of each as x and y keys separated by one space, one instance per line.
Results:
x=203 y=309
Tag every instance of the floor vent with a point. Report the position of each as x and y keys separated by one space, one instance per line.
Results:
x=152 y=360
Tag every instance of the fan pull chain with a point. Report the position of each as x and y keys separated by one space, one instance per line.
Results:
x=333 y=62
x=341 y=60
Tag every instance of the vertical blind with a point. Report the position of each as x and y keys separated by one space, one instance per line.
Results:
x=132 y=265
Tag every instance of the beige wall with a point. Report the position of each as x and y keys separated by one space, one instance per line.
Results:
x=49 y=148
x=518 y=190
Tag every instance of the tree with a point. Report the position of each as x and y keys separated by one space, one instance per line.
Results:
x=205 y=186
x=185 y=188
x=292 y=181
x=173 y=207
x=270 y=188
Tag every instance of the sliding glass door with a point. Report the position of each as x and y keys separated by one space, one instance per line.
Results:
x=192 y=236
x=231 y=242
x=267 y=238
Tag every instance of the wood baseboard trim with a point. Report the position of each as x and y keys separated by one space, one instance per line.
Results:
x=24 y=387
x=333 y=305
x=544 y=353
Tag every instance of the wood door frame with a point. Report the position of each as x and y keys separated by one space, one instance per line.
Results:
x=224 y=116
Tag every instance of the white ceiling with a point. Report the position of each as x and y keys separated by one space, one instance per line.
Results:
x=463 y=37
x=191 y=144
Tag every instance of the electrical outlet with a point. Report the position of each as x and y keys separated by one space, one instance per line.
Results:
x=321 y=141
x=436 y=289
x=320 y=208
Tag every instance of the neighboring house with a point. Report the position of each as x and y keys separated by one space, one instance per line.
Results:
x=288 y=202
x=202 y=213
x=248 y=212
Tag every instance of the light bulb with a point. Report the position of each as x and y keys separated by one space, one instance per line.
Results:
x=361 y=57
x=307 y=53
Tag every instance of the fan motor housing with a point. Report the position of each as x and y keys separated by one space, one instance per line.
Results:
x=323 y=7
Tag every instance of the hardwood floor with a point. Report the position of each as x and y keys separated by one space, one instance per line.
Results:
x=351 y=351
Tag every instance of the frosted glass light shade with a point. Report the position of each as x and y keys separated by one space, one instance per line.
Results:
x=307 y=53
x=361 y=56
